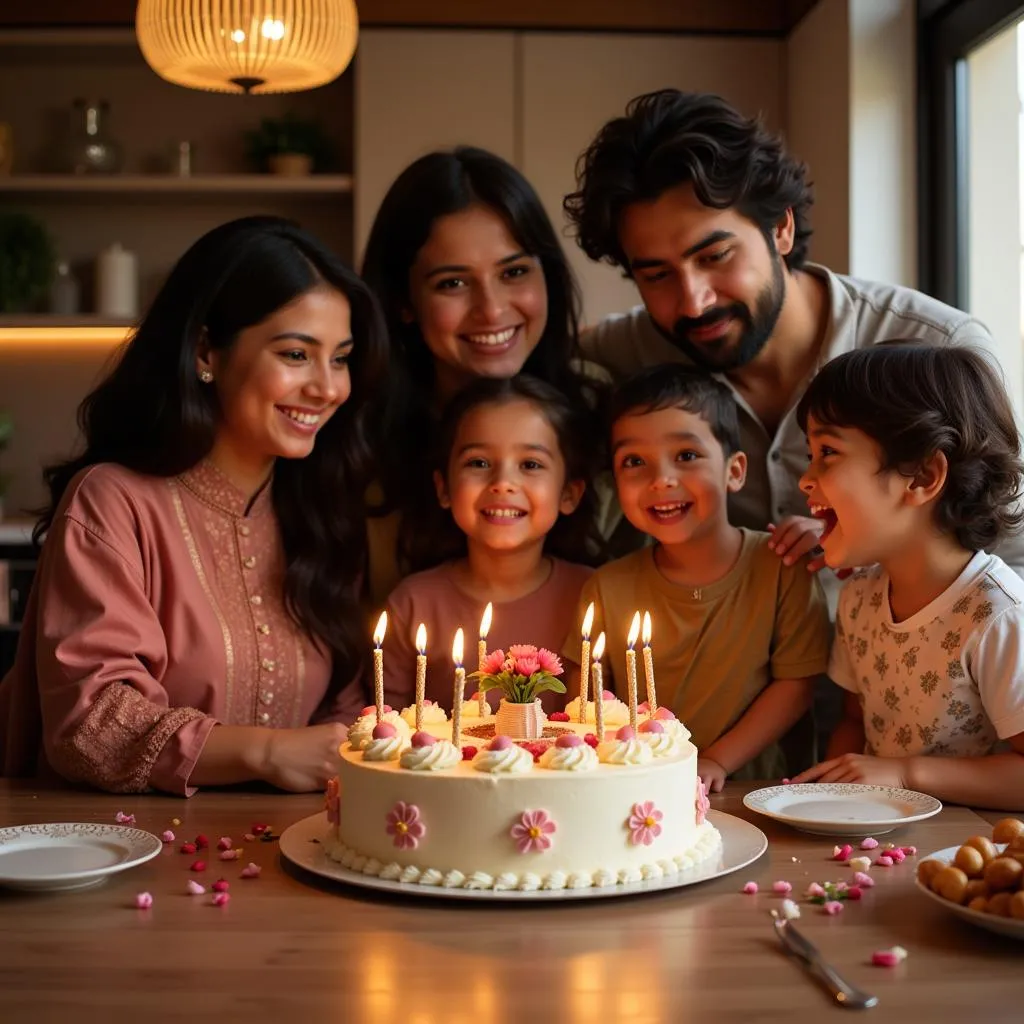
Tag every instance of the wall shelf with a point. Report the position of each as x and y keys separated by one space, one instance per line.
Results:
x=326 y=185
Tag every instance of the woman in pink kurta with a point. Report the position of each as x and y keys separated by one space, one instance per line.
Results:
x=195 y=617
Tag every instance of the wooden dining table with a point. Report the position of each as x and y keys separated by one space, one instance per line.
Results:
x=292 y=946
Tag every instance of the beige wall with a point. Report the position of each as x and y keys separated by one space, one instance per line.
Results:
x=817 y=120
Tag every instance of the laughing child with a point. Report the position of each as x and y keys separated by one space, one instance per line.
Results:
x=916 y=470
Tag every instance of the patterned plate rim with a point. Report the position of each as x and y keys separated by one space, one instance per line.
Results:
x=926 y=805
x=141 y=845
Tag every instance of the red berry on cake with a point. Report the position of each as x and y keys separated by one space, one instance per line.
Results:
x=421 y=739
x=468 y=753
x=558 y=716
x=591 y=740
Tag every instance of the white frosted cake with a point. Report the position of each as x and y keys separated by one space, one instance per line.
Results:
x=562 y=811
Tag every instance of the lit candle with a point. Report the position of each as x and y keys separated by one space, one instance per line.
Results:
x=378 y=664
x=634 y=633
x=598 y=675
x=481 y=652
x=421 y=673
x=588 y=623
x=652 y=696
x=460 y=685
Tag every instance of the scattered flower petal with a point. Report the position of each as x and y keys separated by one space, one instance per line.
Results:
x=854 y=892
x=885 y=861
x=199 y=865
x=221 y=885
x=750 y=888
x=888 y=846
x=251 y=870
x=143 y=900
x=869 y=844
x=860 y=863
x=910 y=851
x=889 y=957
x=782 y=887
x=124 y=819
x=167 y=837
x=789 y=910
x=230 y=854
x=175 y=822
x=249 y=837
x=842 y=853
x=224 y=843
x=787 y=782
x=833 y=907
x=897 y=855
x=258 y=830
x=187 y=848
x=202 y=842
x=864 y=880
x=814 y=890
x=220 y=899
x=194 y=888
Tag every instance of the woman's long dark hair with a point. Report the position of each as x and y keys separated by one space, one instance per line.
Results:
x=574 y=537
x=151 y=414
x=432 y=187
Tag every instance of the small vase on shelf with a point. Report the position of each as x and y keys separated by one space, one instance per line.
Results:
x=93 y=151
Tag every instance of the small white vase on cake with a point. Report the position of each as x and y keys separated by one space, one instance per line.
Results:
x=521 y=675
x=520 y=721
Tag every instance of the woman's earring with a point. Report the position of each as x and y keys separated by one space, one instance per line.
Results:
x=205 y=376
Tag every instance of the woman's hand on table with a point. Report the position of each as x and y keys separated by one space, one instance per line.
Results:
x=861 y=768
x=302 y=760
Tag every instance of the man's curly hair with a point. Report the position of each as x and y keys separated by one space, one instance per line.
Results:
x=670 y=138
x=915 y=400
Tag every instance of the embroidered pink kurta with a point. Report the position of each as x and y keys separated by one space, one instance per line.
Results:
x=157 y=613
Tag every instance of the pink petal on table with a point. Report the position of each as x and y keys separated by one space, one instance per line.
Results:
x=750 y=889
x=144 y=900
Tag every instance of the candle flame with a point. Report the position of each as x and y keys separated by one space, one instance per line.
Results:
x=634 y=630
x=646 y=634
x=457 y=644
x=588 y=621
x=599 y=648
x=382 y=625
x=421 y=639
x=485 y=622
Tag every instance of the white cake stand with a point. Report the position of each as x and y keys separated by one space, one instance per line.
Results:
x=742 y=843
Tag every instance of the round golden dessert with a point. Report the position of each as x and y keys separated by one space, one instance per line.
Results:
x=984 y=846
x=979 y=903
x=1007 y=829
x=977 y=887
x=1017 y=905
x=927 y=870
x=951 y=884
x=1015 y=845
x=999 y=905
x=970 y=861
x=1003 y=873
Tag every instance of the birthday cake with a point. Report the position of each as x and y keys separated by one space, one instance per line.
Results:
x=424 y=800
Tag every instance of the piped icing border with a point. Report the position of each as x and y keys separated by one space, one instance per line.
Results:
x=707 y=845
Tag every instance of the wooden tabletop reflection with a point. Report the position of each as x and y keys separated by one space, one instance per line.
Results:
x=291 y=946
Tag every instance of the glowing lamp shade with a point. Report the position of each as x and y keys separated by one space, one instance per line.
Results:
x=250 y=46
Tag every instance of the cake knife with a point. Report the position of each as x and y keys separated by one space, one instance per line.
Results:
x=842 y=991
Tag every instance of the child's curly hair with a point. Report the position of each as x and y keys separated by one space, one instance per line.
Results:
x=915 y=400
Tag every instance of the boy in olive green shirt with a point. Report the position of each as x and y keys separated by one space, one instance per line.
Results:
x=738 y=636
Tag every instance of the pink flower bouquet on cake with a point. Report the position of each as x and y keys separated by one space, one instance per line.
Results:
x=522 y=675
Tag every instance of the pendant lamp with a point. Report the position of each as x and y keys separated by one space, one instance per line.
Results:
x=247 y=46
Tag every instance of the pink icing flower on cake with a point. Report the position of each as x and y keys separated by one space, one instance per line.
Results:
x=703 y=803
x=332 y=802
x=531 y=832
x=644 y=824
x=405 y=825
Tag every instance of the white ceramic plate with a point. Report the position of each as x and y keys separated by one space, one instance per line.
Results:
x=70 y=855
x=742 y=843
x=1011 y=926
x=842 y=808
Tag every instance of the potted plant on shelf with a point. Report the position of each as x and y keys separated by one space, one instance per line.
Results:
x=291 y=146
x=522 y=675
x=6 y=432
x=27 y=262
